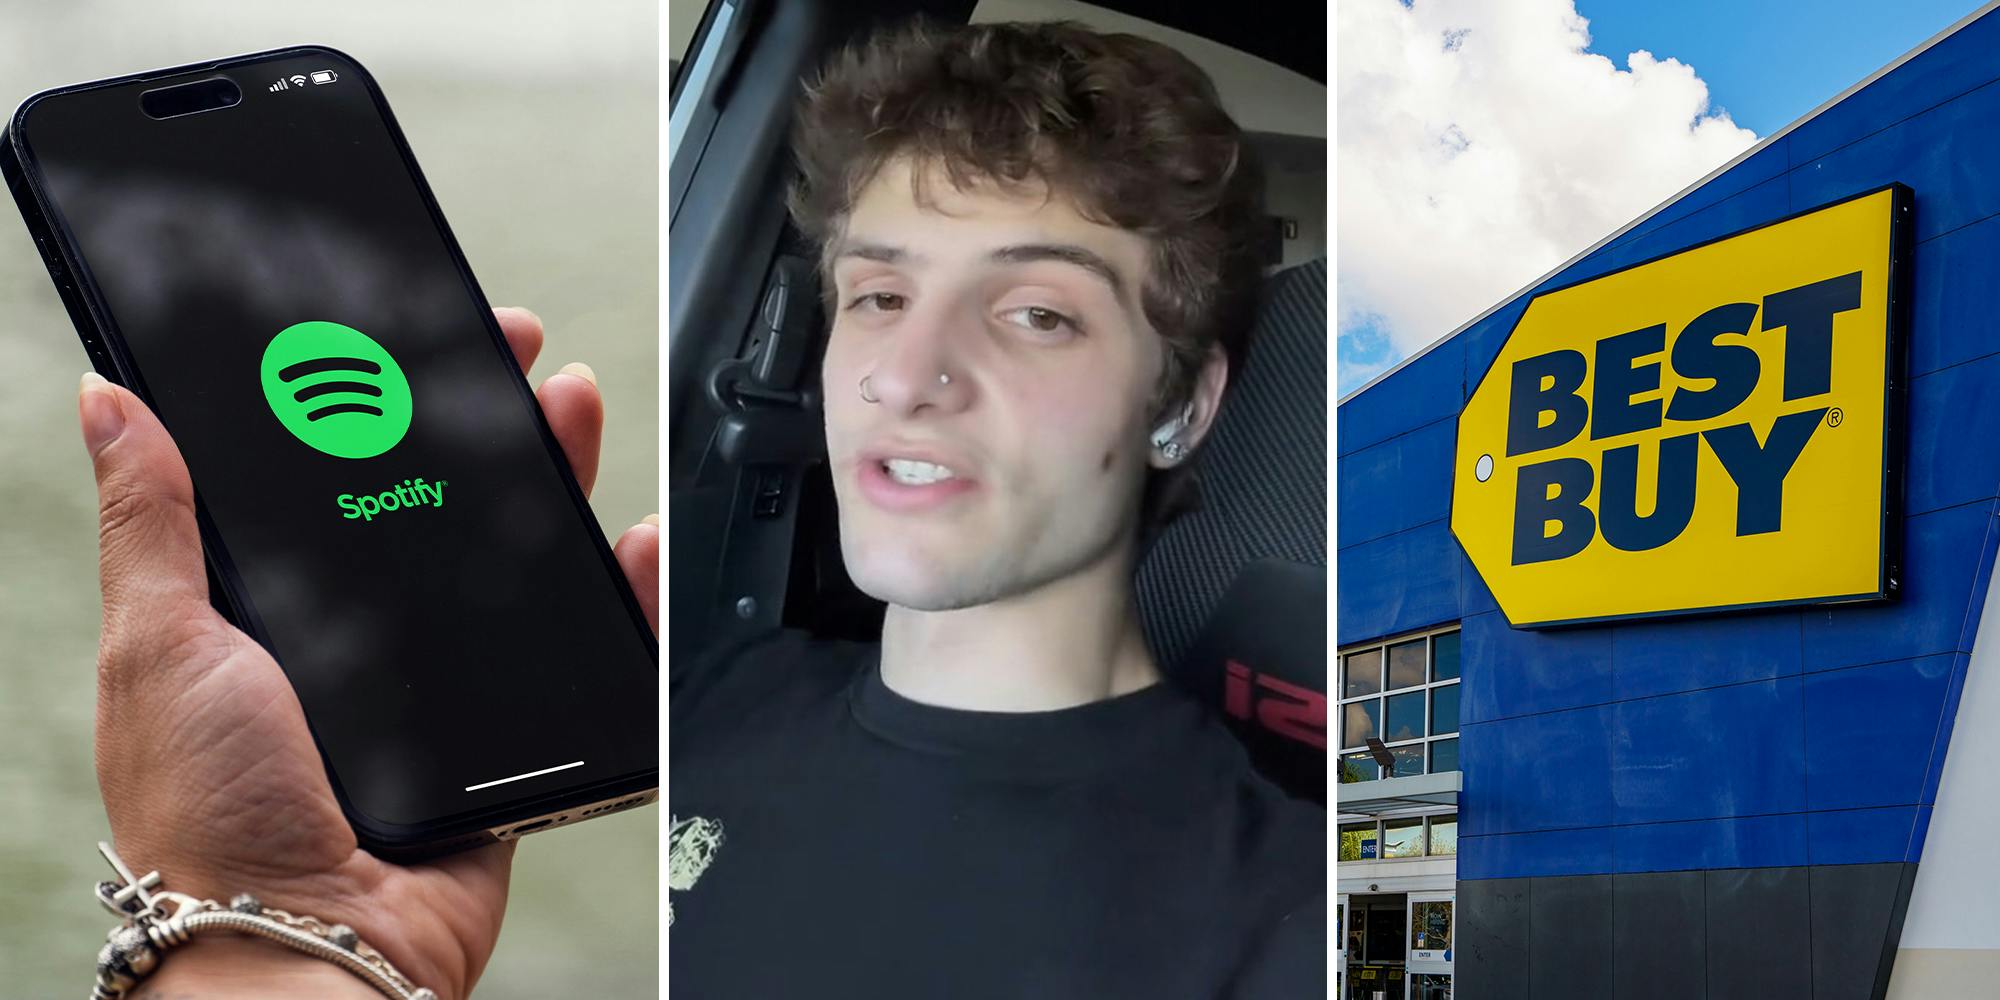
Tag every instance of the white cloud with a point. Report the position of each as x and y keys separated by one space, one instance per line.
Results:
x=1480 y=145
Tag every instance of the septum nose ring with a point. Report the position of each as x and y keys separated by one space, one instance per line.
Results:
x=943 y=379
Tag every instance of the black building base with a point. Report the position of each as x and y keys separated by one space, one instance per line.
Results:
x=1824 y=932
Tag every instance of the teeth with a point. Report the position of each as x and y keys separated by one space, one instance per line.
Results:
x=910 y=472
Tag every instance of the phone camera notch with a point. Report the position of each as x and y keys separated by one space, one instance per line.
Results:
x=212 y=94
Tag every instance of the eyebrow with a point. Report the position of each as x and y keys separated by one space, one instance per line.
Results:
x=1067 y=253
x=874 y=251
x=1023 y=253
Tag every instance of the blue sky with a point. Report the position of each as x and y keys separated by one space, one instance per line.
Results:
x=1764 y=62
x=1769 y=62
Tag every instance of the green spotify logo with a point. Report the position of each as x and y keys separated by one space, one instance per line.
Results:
x=336 y=389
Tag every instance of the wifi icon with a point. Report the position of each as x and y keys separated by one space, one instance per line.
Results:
x=336 y=389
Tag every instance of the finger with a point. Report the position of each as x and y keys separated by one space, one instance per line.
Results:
x=149 y=549
x=524 y=333
x=638 y=552
x=575 y=412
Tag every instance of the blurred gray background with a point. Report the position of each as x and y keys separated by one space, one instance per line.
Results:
x=537 y=127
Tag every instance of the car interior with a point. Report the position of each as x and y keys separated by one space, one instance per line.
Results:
x=1232 y=594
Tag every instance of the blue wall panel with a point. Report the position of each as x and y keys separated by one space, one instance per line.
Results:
x=1404 y=581
x=1483 y=340
x=1553 y=852
x=1952 y=298
x=1869 y=729
x=1773 y=841
x=1667 y=657
x=1948 y=156
x=1727 y=751
x=1546 y=671
x=1428 y=389
x=1954 y=419
x=1400 y=484
x=1759 y=739
x=1474 y=595
x=1861 y=836
x=1941 y=554
x=1539 y=772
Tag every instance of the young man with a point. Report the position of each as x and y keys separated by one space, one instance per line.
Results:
x=1037 y=242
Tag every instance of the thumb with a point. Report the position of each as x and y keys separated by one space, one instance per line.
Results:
x=149 y=549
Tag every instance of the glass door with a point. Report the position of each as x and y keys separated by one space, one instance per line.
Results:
x=1375 y=948
x=1431 y=915
x=1340 y=946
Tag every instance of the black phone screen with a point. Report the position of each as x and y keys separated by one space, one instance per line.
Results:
x=371 y=462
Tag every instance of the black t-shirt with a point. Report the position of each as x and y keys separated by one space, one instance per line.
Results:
x=833 y=839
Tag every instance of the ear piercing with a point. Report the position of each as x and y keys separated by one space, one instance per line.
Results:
x=1166 y=437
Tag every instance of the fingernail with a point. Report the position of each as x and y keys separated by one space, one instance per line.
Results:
x=531 y=313
x=652 y=519
x=580 y=370
x=103 y=418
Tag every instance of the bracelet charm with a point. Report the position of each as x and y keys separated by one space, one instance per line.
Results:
x=155 y=920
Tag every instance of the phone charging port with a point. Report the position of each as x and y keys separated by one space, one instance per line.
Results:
x=532 y=827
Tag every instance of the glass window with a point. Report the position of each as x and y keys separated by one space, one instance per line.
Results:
x=1444 y=834
x=1404 y=693
x=1358 y=767
x=1351 y=837
x=1444 y=755
x=1363 y=673
x=1444 y=710
x=1406 y=664
x=1444 y=656
x=1430 y=925
x=1403 y=838
x=1363 y=720
x=1406 y=717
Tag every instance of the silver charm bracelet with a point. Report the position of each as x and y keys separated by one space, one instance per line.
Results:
x=155 y=920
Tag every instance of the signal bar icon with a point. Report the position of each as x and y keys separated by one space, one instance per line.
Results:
x=319 y=77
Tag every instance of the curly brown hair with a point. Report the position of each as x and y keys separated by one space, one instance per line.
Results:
x=1129 y=130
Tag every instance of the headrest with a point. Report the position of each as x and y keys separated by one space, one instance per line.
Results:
x=1233 y=595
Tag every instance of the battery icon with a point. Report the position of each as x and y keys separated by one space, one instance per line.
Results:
x=325 y=76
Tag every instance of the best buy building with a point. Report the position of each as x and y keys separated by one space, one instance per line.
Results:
x=1664 y=586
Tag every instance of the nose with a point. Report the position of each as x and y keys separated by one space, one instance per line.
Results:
x=920 y=368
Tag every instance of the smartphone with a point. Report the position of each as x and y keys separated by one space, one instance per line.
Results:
x=249 y=246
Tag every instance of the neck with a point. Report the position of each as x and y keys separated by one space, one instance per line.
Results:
x=1068 y=642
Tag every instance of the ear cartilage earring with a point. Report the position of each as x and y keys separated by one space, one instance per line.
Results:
x=1163 y=435
x=863 y=387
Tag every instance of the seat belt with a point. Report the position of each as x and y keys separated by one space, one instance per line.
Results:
x=769 y=434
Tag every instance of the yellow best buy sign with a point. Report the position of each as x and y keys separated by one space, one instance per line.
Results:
x=1708 y=430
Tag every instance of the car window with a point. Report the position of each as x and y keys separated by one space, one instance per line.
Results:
x=683 y=17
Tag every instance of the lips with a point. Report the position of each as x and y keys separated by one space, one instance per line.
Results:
x=912 y=478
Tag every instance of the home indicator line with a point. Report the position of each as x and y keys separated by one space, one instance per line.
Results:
x=530 y=774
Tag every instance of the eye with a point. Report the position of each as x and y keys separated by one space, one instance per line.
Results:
x=877 y=302
x=1040 y=319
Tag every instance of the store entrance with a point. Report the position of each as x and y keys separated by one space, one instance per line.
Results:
x=1398 y=946
x=1375 y=950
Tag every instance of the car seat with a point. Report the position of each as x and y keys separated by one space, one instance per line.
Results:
x=1232 y=595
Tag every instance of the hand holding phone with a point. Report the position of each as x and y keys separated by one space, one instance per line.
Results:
x=207 y=768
